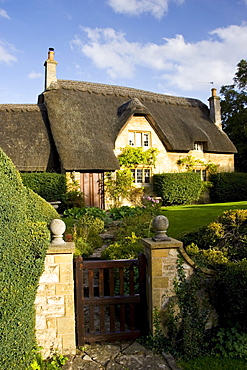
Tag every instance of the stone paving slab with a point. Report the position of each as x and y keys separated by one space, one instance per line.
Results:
x=125 y=355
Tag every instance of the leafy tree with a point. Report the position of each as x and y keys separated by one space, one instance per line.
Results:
x=234 y=114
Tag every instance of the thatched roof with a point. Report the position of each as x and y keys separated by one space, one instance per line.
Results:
x=24 y=136
x=78 y=122
x=86 y=119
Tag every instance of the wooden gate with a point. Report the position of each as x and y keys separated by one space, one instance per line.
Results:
x=111 y=299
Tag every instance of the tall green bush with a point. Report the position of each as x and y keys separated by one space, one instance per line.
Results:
x=50 y=186
x=230 y=296
x=228 y=187
x=178 y=188
x=24 y=238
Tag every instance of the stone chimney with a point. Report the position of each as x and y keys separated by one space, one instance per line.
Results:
x=214 y=106
x=50 y=69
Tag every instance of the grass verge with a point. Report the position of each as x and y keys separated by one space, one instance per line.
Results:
x=213 y=363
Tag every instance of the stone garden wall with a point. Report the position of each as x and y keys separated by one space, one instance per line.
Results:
x=55 y=313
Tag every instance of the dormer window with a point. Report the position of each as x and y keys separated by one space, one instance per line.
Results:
x=139 y=139
x=199 y=145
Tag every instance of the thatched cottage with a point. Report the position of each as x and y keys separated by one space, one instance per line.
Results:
x=81 y=127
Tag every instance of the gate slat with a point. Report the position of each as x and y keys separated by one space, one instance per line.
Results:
x=132 y=291
x=121 y=292
x=101 y=295
x=80 y=307
x=112 y=307
x=91 y=295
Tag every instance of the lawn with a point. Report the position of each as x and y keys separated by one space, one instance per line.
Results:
x=184 y=219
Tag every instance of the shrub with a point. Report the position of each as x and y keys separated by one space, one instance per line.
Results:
x=230 y=343
x=78 y=212
x=178 y=188
x=24 y=238
x=86 y=234
x=71 y=199
x=227 y=234
x=228 y=187
x=128 y=248
x=151 y=206
x=121 y=212
x=230 y=295
x=206 y=257
x=50 y=186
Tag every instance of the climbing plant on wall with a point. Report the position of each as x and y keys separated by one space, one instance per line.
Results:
x=189 y=163
x=133 y=156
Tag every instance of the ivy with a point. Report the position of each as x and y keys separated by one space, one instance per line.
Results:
x=187 y=315
x=134 y=156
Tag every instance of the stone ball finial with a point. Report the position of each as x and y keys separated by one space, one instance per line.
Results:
x=57 y=228
x=160 y=225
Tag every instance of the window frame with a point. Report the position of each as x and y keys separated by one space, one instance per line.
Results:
x=203 y=173
x=199 y=146
x=133 y=142
x=145 y=180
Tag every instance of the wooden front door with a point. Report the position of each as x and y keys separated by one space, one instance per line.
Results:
x=92 y=186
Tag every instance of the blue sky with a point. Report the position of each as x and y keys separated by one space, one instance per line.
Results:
x=176 y=47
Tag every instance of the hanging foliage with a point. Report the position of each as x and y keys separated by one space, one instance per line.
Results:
x=133 y=156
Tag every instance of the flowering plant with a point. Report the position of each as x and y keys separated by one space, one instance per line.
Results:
x=151 y=205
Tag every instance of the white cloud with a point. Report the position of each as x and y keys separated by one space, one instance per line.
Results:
x=4 y=14
x=33 y=75
x=136 y=7
x=5 y=53
x=180 y=64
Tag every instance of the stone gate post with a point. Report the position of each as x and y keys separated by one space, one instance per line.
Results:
x=161 y=253
x=55 y=314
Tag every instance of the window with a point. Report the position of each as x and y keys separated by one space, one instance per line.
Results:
x=203 y=174
x=141 y=175
x=198 y=145
x=139 y=139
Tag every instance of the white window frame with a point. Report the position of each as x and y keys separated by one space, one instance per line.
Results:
x=141 y=175
x=139 y=139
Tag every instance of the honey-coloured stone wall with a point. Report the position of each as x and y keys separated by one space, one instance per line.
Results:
x=55 y=313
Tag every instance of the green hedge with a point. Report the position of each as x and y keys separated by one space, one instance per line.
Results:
x=24 y=239
x=50 y=186
x=228 y=187
x=178 y=188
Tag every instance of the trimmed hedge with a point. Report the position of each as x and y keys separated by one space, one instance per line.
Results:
x=178 y=188
x=24 y=239
x=50 y=186
x=228 y=187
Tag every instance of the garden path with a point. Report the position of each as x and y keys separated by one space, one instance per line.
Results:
x=125 y=355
